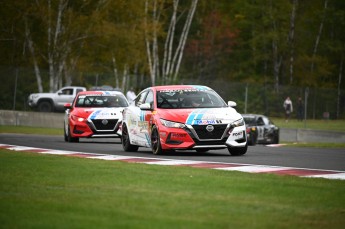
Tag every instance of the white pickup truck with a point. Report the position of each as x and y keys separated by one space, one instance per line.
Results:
x=49 y=102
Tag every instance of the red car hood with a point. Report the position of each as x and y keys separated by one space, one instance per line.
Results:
x=200 y=116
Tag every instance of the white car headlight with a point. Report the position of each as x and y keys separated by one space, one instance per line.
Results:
x=33 y=96
x=172 y=124
x=237 y=123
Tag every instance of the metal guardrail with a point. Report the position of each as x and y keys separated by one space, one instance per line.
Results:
x=56 y=120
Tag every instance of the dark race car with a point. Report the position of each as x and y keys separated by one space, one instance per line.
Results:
x=260 y=129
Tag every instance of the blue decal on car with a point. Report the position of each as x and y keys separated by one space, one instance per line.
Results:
x=197 y=114
x=94 y=114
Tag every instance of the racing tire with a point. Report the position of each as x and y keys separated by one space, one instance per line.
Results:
x=126 y=143
x=155 y=141
x=70 y=138
x=253 y=139
x=276 y=139
x=45 y=106
x=65 y=133
x=237 y=151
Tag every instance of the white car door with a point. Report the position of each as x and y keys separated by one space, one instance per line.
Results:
x=136 y=124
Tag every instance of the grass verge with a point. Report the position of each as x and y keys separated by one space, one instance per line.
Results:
x=48 y=191
x=314 y=144
x=330 y=125
x=31 y=130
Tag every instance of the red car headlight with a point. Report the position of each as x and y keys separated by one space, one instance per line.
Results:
x=172 y=124
x=250 y=129
x=77 y=119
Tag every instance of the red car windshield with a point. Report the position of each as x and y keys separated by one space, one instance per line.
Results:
x=180 y=99
x=101 y=101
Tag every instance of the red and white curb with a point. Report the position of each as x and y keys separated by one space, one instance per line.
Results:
x=301 y=172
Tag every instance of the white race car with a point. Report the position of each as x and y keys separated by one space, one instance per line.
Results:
x=182 y=117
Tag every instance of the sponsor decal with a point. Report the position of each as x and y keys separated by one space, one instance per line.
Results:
x=143 y=125
x=106 y=114
x=178 y=90
x=238 y=135
x=178 y=135
x=204 y=122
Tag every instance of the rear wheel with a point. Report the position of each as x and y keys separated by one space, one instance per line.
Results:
x=126 y=143
x=155 y=141
x=45 y=106
x=237 y=151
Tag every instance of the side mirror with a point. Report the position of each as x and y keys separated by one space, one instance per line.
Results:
x=67 y=106
x=145 y=107
x=232 y=104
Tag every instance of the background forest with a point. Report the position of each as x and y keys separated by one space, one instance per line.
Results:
x=254 y=52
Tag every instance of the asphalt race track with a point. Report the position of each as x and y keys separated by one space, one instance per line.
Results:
x=310 y=158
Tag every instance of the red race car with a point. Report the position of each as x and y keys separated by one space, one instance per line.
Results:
x=94 y=114
x=181 y=117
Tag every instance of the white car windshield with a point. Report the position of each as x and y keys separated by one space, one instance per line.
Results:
x=180 y=99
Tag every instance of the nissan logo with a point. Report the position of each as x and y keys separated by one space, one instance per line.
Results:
x=209 y=128
x=104 y=122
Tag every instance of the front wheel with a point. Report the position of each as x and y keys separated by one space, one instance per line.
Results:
x=126 y=143
x=155 y=141
x=65 y=133
x=238 y=151
x=69 y=136
x=276 y=138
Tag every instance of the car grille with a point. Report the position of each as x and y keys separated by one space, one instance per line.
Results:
x=104 y=124
x=203 y=134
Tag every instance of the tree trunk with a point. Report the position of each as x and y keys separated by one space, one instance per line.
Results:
x=152 y=54
x=117 y=84
x=32 y=51
x=292 y=38
x=53 y=56
x=277 y=59
x=124 y=77
x=183 y=38
x=168 y=47
x=171 y=58
x=339 y=83
x=318 y=38
x=276 y=65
